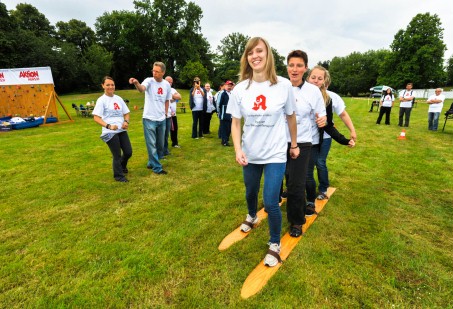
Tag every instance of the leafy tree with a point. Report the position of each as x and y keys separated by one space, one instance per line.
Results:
x=228 y=60
x=76 y=32
x=355 y=73
x=192 y=69
x=450 y=71
x=97 y=63
x=324 y=64
x=30 y=19
x=416 y=54
x=7 y=38
x=279 y=60
x=232 y=46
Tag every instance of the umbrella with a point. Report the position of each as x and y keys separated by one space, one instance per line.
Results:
x=381 y=88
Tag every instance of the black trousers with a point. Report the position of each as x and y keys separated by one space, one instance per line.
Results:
x=121 y=149
x=207 y=122
x=384 y=110
x=225 y=131
x=404 y=111
x=197 y=126
x=174 y=131
x=296 y=177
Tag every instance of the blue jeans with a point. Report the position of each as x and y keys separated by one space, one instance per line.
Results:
x=433 y=121
x=311 y=182
x=154 y=138
x=321 y=165
x=273 y=176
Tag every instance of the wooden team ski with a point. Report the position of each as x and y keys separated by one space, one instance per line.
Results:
x=259 y=277
x=238 y=235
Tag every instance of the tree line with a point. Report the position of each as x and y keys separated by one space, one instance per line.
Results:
x=126 y=43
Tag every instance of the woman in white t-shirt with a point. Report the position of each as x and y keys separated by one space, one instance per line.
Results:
x=113 y=115
x=263 y=99
x=386 y=104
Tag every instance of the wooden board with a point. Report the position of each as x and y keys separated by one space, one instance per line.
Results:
x=259 y=277
x=238 y=235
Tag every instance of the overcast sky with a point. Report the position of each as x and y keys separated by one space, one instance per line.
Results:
x=324 y=29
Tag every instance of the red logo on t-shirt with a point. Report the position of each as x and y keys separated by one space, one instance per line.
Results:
x=116 y=106
x=259 y=102
x=160 y=91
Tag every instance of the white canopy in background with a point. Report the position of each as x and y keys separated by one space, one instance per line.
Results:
x=426 y=93
x=26 y=76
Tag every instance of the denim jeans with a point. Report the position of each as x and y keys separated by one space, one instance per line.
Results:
x=273 y=176
x=321 y=165
x=154 y=139
x=311 y=182
x=120 y=142
x=433 y=121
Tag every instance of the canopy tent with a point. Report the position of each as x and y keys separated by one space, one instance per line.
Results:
x=381 y=88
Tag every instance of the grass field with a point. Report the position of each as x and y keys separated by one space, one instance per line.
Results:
x=71 y=237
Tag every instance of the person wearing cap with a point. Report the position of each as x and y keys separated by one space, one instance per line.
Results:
x=225 y=118
x=198 y=104
x=265 y=101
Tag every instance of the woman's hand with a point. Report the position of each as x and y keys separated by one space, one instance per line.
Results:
x=351 y=143
x=125 y=125
x=241 y=158
x=294 y=152
x=113 y=127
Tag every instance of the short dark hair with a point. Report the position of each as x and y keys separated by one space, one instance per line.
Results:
x=298 y=54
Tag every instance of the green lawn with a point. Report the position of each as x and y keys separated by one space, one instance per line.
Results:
x=72 y=237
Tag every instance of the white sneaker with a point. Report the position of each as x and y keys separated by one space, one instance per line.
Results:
x=272 y=257
x=249 y=223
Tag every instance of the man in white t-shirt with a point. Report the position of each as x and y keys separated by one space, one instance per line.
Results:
x=406 y=101
x=157 y=99
x=436 y=103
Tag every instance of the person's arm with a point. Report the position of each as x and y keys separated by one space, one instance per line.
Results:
x=241 y=158
x=102 y=123
x=138 y=86
x=176 y=96
x=348 y=122
x=125 y=125
x=294 y=150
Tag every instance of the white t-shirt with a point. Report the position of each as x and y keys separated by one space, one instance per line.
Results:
x=112 y=111
x=309 y=102
x=198 y=100
x=210 y=98
x=172 y=106
x=263 y=107
x=387 y=100
x=156 y=94
x=406 y=95
x=338 y=107
x=437 y=107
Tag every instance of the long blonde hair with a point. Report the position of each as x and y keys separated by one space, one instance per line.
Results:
x=326 y=83
x=246 y=71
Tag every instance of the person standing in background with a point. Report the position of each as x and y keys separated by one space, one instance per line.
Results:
x=198 y=104
x=210 y=109
x=406 y=101
x=436 y=103
x=172 y=121
x=386 y=105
